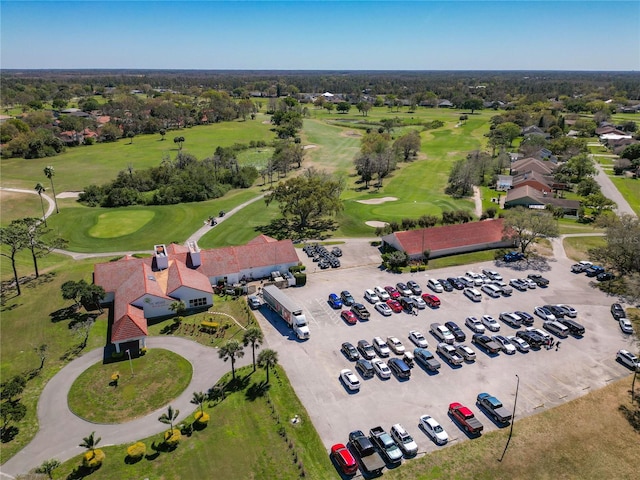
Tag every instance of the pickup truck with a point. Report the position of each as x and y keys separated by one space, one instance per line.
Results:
x=538 y=279
x=369 y=459
x=465 y=418
x=494 y=408
x=426 y=359
x=386 y=445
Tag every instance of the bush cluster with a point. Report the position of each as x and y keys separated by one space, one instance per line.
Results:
x=137 y=450
x=172 y=438
x=93 y=459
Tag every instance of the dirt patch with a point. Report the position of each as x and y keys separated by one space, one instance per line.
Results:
x=376 y=224
x=351 y=133
x=307 y=147
x=377 y=201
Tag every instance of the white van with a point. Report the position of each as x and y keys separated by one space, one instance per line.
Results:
x=557 y=329
x=435 y=285
x=473 y=294
x=492 y=290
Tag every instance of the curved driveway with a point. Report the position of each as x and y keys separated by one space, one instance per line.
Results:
x=60 y=431
x=609 y=190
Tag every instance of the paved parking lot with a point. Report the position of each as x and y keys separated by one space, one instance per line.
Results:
x=547 y=377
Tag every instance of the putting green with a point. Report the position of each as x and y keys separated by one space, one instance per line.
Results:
x=120 y=223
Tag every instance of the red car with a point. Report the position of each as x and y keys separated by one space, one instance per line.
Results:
x=393 y=293
x=349 y=317
x=394 y=305
x=344 y=459
x=431 y=300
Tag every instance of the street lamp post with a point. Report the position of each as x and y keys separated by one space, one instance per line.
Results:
x=130 y=363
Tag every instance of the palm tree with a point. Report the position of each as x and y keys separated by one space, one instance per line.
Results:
x=40 y=189
x=90 y=442
x=198 y=399
x=48 y=466
x=49 y=173
x=268 y=359
x=169 y=417
x=178 y=307
x=231 y=351
x=253 y=336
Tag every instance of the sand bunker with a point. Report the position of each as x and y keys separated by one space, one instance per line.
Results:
x=377 y=201
x=69 y=195
x=307 y=147
x=376 y=224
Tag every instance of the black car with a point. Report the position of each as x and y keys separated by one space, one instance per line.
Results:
x=456 y=331
x=525 y=318
x=399 y=368
x=365 y=368
x=575 y=329
x=350 y=351
x=594 y=271
x=414 y=287
x=532 y=338
x=455 y=283
x=336 y=251
x=604 y=276
x=557 y=311
x=617 y=311
x=347 y=298
x=539 y=279
x=366 y=350
x=446 y=286
x=360 y=311
x=486 y=343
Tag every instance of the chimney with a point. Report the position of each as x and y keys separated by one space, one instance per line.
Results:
x=194 y=254
x=162 y=259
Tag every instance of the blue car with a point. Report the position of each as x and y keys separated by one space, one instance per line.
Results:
x=334 y=301
x=513 y=257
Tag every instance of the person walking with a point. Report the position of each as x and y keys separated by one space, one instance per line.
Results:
x=558 y=345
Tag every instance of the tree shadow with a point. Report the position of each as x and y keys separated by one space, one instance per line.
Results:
x=282 y=228
x=9 y=433
x=65 y=313
x=237 y=384
x=257 y=390
x=632 y=414
x=80 y=472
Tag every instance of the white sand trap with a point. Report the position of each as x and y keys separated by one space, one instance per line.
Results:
x=377 y=201
x=307 y=147
x=376 y=224
x=69 y=195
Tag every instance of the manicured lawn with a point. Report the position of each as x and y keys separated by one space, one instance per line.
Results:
x=630 y=190
x=249 y=436
x=577 y=248
x=19 y=205
x=569 y=225
x=160 y=374
x=462 y=259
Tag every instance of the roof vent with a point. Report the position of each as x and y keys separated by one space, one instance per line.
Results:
x=162 y=260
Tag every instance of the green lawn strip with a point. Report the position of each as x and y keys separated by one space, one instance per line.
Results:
x=242 y=440
x=577 y=248
x=570 y=225
x=97 y=164
x=563 y=442
x=27 y=324
x=19 y=205
x=630 y=190
x=144 y=385
x=461 y=259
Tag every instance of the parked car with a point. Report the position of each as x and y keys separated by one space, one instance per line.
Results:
x=426 y=358
x=473 y=294
x=617 y=311
x=344 y=459
x=541 y=333
x=581 y=266
x=399 y=368
x=505 y=289
x=605 y=276
x=434 y=285
x=505 y=344
x=254 y=302
x=335 y=301
x=486 y=343
x=557 y=328
x=418 y=339
x=474 y=324
x=531 y=285
x=625 y=325
x=575 y=328
x=418 y=302
x=492 y=290
x=371 y=296
x=518 y=284
x=568 y=310
x=519 y=343
x=455 y=283
x=381 y=368
x=393 y=292
x=544 y=313
x=594 y=270
x=382 y=293
x=491 y=323
x=511 y=319
x=360 y=311
x=525 y=318
x=403 y=289
x=336 y=251
x=347 y=298
x=467 y=282
x=349 y=317
x=405 y=441
x=415 y=288
x=492 y=274
x=384 y=309
x=431 y=300
x=513 y=257
x=442 y=333
x=394 y=305
x=533 y=339
x=381 y=347
x=434 y=430
x=628 y=359
x=349 y=379
x=555 y=310
x=396 y=345
x=466 y=352
x=457 y=332
x=449 y=353
x=366 y=350
x=365 y=368
x=350 y=351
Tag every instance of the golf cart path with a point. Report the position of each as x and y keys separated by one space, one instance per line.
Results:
x=52 y=441
x=52 y=205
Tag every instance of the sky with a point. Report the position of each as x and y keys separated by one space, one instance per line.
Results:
x=321 y=35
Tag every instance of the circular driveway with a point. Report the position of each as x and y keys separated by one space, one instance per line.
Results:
x=60 y=430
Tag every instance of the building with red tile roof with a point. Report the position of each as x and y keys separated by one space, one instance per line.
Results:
x=144 y=288
x=449 y=239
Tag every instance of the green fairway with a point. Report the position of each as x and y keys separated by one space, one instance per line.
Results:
x=160 y=374
x=114 y=224
x=19 y=205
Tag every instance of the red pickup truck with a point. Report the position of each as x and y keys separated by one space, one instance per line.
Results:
x=465 y=418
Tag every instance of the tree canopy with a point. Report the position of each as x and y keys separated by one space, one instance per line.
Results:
x=525 y=226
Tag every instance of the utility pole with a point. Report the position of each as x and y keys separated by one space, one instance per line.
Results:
x=513 y=419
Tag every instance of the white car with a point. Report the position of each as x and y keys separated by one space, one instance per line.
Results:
x=442 y=333
x=492 y=274
x=568 y=310
x=381 y=347
x=383 y=295
x=384 y=309
x=466 y=352
x=371 y=296
x=433 y=429
x=435 y=285
x=396 y=345
x=505 y=344
x=545 y=314
x=625 y=325
x=491 y=323
x=474 y=324
x=629 y=359
x=477 y=279
x=381 y=368
x=519 y=343
x=418 y=302
x=350 y=380
x=530 y=283
x=418 y=339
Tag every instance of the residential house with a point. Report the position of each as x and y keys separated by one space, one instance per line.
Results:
x=504 y=182
x=445 y=104
x=532 y=179
x=527 y=196
x=532 y=164
x=533 y=130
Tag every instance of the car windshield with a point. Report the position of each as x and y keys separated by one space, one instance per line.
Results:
x=437 y=429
